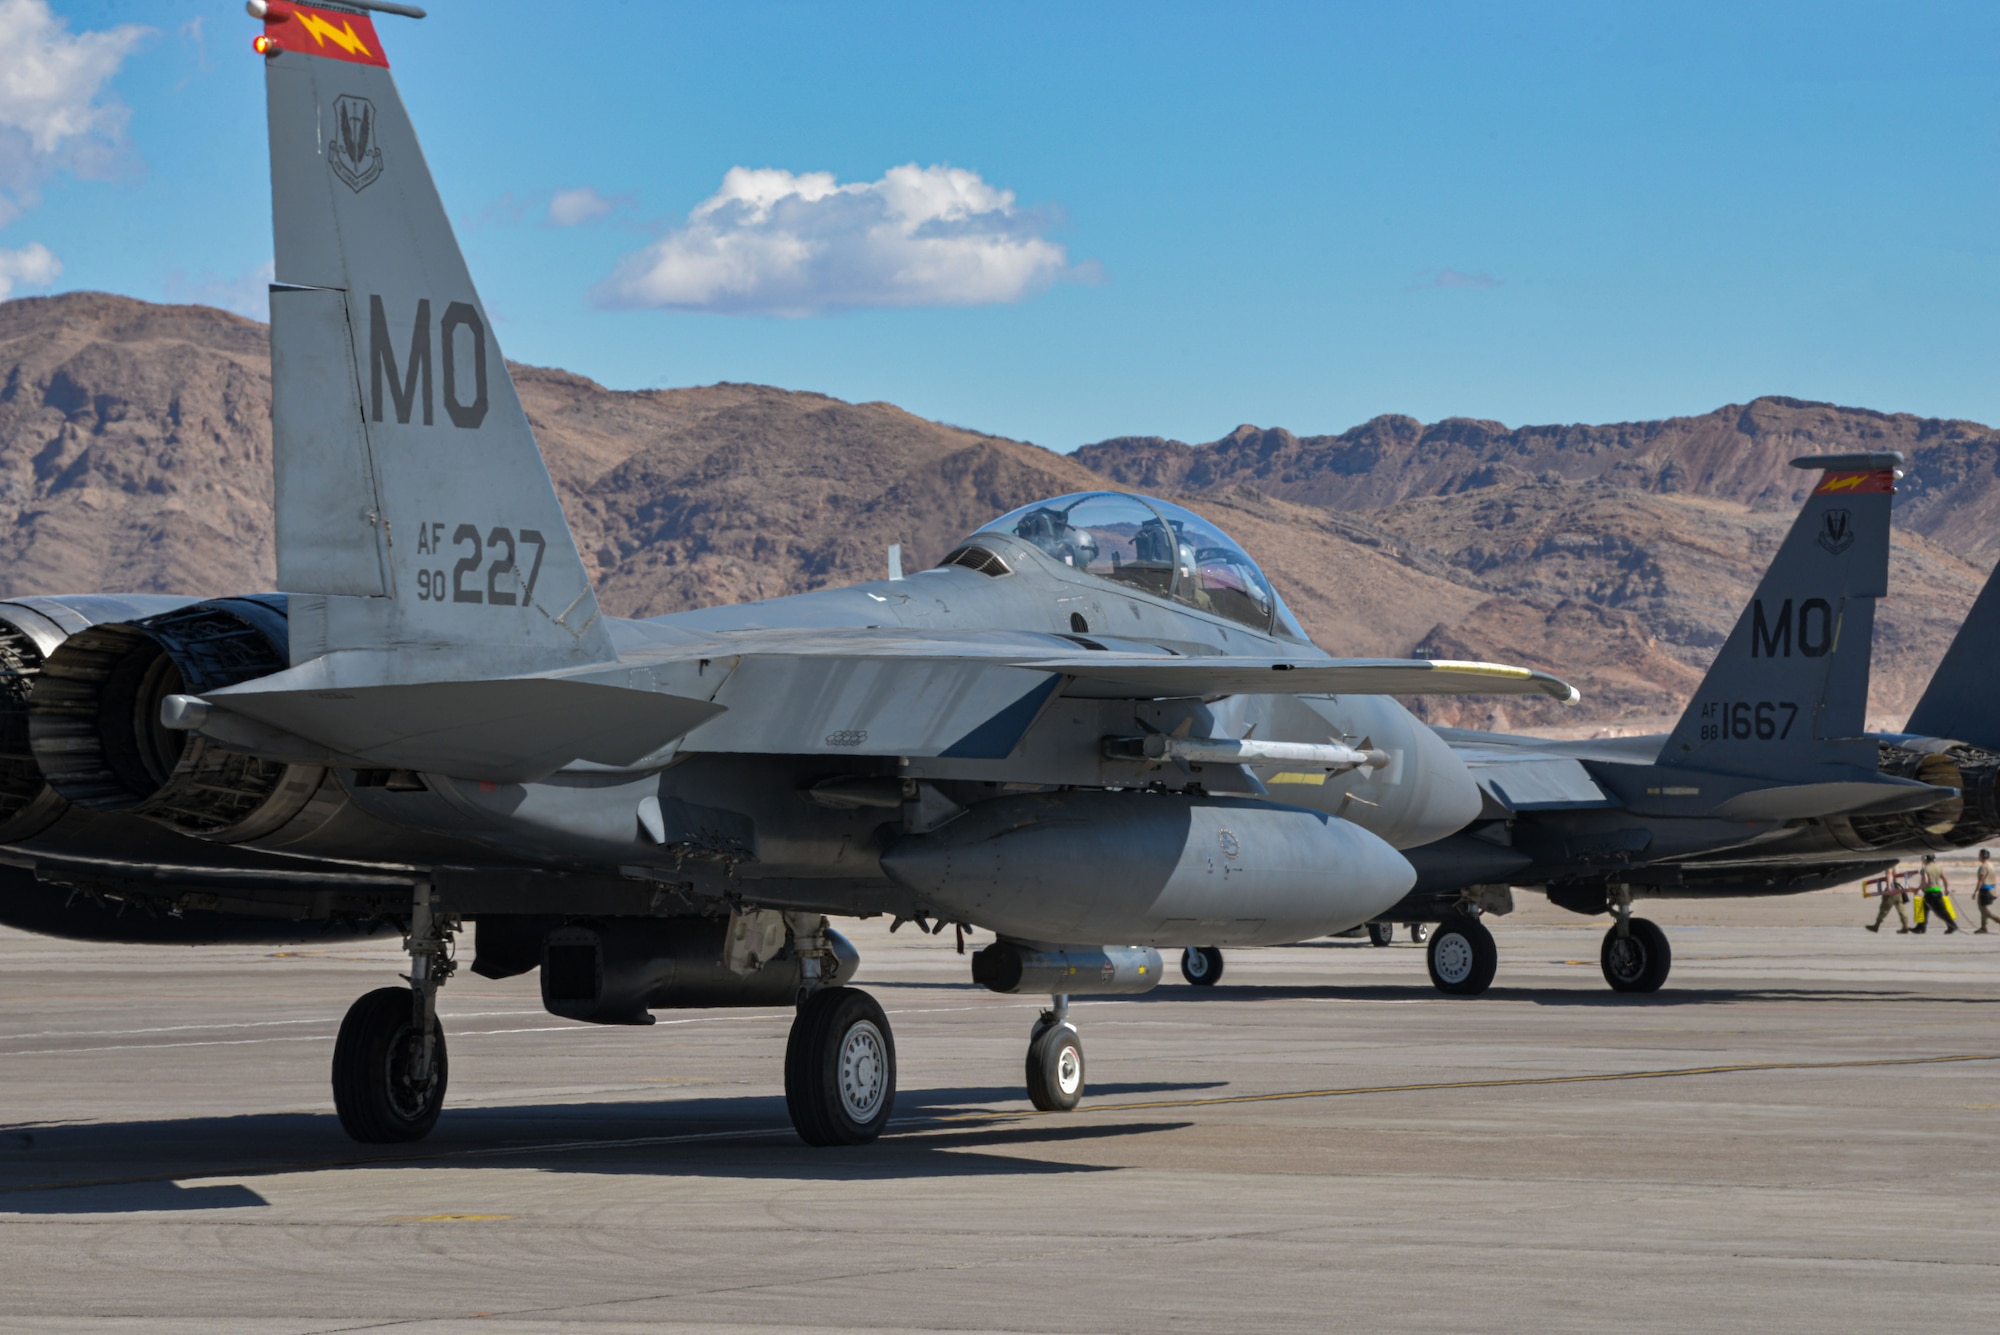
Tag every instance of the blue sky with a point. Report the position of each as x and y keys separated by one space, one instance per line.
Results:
x=1287 y=215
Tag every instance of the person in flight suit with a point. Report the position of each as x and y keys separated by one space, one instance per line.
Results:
x=1893 y=897
x=1934 y=897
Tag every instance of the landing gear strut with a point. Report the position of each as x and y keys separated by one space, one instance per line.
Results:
x=389 y=1062
x=1202 y=965
x=1055 y=1059
x=840 y=1061
x=1635 y=956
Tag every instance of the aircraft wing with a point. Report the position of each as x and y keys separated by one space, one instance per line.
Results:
x=970 y=700
x=1118 y=677
x=774 y=693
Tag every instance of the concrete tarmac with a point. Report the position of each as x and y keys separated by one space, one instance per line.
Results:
x=1801 y=1133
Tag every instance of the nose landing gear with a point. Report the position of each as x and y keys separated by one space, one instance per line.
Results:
x=1055 y=1060
x=1202 y=965
x=389 y=1063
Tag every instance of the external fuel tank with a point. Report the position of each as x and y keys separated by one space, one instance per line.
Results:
x=1153 y=869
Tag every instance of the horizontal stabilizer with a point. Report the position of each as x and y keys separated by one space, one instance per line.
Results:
x=511 y=730
x=1805 y=801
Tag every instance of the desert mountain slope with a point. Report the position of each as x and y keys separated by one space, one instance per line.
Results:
x=135 y=454
x=1739 y=453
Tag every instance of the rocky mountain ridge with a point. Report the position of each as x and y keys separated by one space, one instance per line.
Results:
x=135 y=454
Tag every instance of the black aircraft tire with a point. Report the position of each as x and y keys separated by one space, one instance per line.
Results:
x=1202 y=965
x=1638 y=962
x=840 y=1068
x=1055 y=1068
x=1381 y=933
x=1462 y=956
x=371 y=1091
x=1420 y=932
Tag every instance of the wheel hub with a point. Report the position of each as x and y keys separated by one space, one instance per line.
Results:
x=408 y=1086
x=1452 y=957
x=1627 y=958
x=864 y=1071
x=1197 y=964
x=1069 y=1069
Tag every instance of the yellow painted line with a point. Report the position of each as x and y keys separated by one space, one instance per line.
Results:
x=444 y=1218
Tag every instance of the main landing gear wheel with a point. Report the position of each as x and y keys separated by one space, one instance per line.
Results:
x=1639 y=960
x=1055 y=1067
x=380 y=1090
x=1381 y=933
x=1202 y=965
x=1420 y=932
x=1462 y=956
x=840 y=1068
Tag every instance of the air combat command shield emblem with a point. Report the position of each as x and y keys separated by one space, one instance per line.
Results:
x=352 y=152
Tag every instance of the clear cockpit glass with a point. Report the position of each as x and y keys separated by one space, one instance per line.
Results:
x=1152 y=545
x=1111 y=535
x=1215 y=574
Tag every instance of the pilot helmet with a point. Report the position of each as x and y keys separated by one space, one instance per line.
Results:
x=1082 y=548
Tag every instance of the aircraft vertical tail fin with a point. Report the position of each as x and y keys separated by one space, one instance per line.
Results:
x=414 y=510
x=1962 y=701
x=1790 y=686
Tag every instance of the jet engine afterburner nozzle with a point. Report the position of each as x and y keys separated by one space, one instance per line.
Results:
x=27 y=804
x=1971 y=817
x=96 y=731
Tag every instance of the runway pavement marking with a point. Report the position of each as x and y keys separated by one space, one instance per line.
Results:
x=918 y=1124
x=445 y=1218
x=236 y=1024
x=1601 y=1077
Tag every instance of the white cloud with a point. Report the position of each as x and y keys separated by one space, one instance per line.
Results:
x=774 y=243
x=581 y=205
x=55 y=114
x=33 y=265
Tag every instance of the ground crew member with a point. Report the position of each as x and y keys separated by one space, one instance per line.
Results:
x=1985 y=891
x=1933 y=897
x=1892 y=898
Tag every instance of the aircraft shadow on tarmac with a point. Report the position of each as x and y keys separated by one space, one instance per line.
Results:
x=128 y=1167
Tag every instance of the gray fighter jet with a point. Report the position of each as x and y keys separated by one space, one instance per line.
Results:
x=1051 y=736
x=1769 y=783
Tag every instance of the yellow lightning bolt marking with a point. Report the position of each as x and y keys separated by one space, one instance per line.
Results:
x=323 y=32
x=1848 y=483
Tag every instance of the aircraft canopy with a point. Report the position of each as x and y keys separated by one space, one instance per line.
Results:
x=1155 y=546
